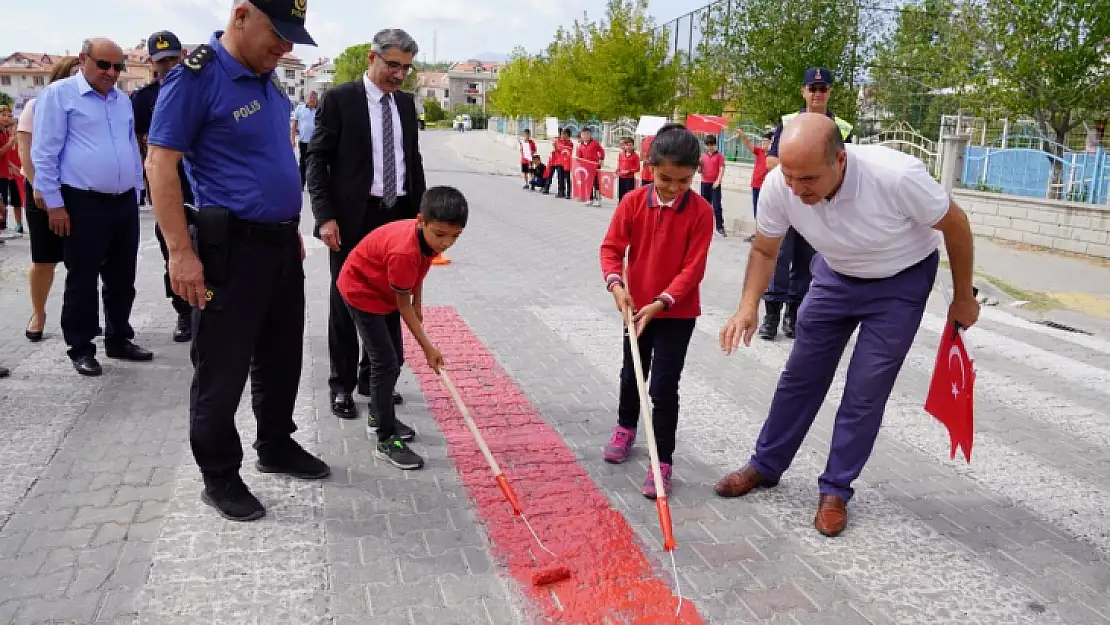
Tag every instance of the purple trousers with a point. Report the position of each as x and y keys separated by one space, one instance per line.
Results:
x=887 y=312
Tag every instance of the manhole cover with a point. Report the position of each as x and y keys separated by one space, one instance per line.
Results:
x=1060 y=326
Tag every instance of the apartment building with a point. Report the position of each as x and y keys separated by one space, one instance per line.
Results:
x=470 y=82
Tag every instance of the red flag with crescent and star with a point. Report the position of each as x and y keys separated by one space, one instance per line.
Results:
x=951 y=398
x=607 y=181
x=582 y=178
x=708 y=124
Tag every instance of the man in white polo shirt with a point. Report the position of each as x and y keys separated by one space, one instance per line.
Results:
x=873 y=216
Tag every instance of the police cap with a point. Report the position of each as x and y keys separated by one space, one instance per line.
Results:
x=817 y=76
x=288 y=17
x=163 y=44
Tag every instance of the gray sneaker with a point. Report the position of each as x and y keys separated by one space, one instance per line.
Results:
x=396 y=452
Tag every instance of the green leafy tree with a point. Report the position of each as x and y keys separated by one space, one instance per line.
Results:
x=1047 y=59
x=6 y=99
x=608 y=69
x=926 y=66
x=433 y=111
x=351 y=64
x=766 y=46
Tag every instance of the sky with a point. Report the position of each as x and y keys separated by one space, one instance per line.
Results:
x=461 y=30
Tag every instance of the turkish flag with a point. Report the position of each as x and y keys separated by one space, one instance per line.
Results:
x=708 y=124
x=607 y=180
x=582 y=174
x=951 y=397
x=645 y=154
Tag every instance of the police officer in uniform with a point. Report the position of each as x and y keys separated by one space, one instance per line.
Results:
x=165 y=53
x=226 y=113
x=791 y=279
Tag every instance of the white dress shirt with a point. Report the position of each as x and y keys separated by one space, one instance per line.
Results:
x=374 y=101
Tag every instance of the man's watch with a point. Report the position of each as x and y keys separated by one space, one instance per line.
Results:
x=664 y=302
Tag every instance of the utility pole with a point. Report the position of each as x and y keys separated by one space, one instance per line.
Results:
x=435 y=55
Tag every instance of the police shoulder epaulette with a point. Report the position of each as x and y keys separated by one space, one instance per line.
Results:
x=198 y=58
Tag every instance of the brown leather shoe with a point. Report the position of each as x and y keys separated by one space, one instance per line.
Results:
x=740 y=483
x=832 y=515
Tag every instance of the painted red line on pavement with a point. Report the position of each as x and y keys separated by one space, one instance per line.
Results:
x=612 y=580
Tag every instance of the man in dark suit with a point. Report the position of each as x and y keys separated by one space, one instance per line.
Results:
x=364 y=170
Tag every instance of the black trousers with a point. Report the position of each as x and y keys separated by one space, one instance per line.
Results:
x=302 y=149
x=103 y=242
x=350 y=365
x=562 y=176
x=625 y=186
x=381 y=336
x=253 y=325
x=663 y=348
x=181 y=306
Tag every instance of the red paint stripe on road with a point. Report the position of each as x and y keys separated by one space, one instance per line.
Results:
x=612 y=580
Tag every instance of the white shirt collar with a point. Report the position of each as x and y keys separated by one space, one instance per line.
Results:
x=659 y=201
x=372 y=91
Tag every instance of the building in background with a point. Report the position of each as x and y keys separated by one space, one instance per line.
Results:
x=291 y=72
x=470 y=82
x=319 y=77
x=433 y=86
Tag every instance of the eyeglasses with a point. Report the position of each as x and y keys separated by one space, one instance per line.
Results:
x=818 y=88
x=394 y=67
x=107 y=65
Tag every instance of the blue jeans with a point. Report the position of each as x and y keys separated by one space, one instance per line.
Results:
x=713 y=196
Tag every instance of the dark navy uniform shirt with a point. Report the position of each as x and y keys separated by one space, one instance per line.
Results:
x=142 y=103
x=233 y=127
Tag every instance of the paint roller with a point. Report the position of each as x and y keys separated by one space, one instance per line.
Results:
x=544 y=577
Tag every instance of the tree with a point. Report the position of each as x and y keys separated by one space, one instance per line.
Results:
x=926 y=66
x=433 y=111
x=766 y=46
x=1048 y=59
x=351 y=64
x=6 y=99
x=613 y=68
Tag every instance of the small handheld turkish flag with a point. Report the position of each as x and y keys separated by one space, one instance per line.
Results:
x=951 y=397
x=607 y=181
x=582 y=176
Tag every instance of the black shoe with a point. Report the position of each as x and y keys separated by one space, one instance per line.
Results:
x=402 y=431
x=232 y=499
x=87 y=365
x=128 y=351
x=33 y=335
x=364 y=390
x=790 y=321
x=398 y=399
x=721 y=231
x=4 y=372
x=770 y=328
x=291 y=459
x=183 y=332
x=343 y=406
x=397 y=453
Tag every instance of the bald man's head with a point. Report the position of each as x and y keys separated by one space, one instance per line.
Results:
x=812 y=157
x=101 y=63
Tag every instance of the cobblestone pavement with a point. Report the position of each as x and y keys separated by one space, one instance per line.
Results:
x=100 y=519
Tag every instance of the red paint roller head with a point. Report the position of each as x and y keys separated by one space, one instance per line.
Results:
x=550 y=576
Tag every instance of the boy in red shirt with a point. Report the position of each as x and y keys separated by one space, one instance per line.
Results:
x=664 y=229
x=759 y=171
x=628 y=163
x=591 y=150
x=561 y=152
x=382 y=283
x=527 y=151
x=712 y=168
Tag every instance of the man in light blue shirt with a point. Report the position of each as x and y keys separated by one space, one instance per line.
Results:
x=89 y=175
x=304 y=123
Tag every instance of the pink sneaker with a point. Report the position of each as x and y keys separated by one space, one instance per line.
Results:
x=649 y=481
x=620 y=445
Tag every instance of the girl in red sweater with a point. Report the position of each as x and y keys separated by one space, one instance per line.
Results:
x=664 y=230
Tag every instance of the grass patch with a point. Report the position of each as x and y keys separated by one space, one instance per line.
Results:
x=1037 y=301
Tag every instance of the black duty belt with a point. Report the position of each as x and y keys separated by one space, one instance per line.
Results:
x=267 y=232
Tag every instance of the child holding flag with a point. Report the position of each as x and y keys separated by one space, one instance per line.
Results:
x=664 y=230
x=628 y=163
x=590 y=149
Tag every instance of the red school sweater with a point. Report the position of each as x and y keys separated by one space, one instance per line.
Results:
x=667 y=249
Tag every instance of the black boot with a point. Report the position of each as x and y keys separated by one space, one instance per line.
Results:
x=770 y=327
x=790 y=320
